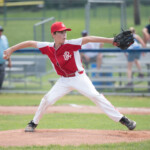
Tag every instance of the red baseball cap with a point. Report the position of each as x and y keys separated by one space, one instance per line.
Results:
x=59 y=26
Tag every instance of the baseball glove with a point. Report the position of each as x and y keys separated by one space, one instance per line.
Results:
x=124 y=39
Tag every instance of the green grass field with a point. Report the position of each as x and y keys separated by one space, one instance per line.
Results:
x=121 y=146
x=72 y=121
x=75 y=121
x=34 y=100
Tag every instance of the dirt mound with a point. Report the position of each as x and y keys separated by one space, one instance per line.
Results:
x=69 y=137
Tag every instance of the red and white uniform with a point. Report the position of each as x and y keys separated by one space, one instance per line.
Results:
x=66 y=59
x=67 y=63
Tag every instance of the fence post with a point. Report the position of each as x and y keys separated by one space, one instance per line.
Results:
x=87 y=17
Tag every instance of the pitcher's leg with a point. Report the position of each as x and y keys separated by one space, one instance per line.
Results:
x=85 y=86
x=57 y=91
x=105 y=105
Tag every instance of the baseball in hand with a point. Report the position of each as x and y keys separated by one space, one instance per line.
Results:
x=4 y=56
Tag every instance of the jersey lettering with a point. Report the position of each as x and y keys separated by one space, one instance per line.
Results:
x=67 y=55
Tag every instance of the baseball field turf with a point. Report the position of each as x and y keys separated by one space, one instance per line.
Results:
x=75 y=120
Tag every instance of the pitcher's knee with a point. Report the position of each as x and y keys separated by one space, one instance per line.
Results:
x=44 y=101
x=49 y=100
x=98 y=98
x=93 y=95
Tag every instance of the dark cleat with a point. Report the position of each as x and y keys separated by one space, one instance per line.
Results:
x=30 y=127
x=128 y=123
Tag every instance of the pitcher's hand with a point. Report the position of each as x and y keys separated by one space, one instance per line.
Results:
x=7 y=53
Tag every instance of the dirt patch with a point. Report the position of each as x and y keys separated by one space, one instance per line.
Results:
x=70 y=137
x=68 y=109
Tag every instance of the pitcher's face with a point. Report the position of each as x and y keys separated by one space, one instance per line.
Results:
x=60 y=36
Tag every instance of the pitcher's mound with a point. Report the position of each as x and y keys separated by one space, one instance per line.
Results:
x=69 y=137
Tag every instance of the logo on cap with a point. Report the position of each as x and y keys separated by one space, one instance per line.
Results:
x=63 y=25
x=59 y=26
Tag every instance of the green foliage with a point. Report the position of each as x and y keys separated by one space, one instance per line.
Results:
x=104 y=21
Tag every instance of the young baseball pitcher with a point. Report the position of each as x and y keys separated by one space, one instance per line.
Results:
x=65 y=57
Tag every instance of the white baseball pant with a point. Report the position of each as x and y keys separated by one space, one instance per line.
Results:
x=82 y=84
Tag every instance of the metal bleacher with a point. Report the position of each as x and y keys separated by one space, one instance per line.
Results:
x=26 y=66
x=112 y=76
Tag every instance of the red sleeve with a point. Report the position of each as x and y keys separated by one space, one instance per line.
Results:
x=44 y=49
x=76 y=47
x=44 y=46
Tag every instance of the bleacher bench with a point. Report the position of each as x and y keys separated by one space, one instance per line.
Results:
x=26 y=65
x=117 y=67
